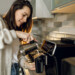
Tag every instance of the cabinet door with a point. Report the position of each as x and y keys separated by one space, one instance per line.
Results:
x=58 y=3
x=48 y=4
x=33 y=2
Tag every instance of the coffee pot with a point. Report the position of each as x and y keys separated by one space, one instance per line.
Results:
x=38 y=53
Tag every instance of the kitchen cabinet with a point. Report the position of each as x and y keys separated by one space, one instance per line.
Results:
x=58 y=3
x=63 y=6
x=42 y=8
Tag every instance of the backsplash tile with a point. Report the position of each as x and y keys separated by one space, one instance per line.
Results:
x=62 y=23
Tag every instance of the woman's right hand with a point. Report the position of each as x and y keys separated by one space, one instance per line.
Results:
x=25 y=36
x=22 y=35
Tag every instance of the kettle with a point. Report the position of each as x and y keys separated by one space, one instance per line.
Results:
x=30 y=51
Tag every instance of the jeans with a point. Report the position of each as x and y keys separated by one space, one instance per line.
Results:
x=15 y=69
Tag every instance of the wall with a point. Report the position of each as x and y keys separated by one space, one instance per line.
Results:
x=5 y=5
x=63 y=25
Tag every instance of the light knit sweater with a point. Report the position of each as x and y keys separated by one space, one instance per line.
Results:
x=8 y=53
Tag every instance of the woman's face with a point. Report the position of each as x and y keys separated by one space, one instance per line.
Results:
x=21 y=15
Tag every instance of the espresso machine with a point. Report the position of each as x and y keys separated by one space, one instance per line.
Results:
x=38 y=53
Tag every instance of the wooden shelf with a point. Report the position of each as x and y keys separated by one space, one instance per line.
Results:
x=70 y=8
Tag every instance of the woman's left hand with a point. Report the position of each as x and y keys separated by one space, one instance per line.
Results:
x=30 y=38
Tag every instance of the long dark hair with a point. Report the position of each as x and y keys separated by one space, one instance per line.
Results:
x=10 y=16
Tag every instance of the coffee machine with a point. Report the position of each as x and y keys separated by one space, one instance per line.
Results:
x=38 y=53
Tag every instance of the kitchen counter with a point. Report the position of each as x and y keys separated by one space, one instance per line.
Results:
x=70 y=60
x=64 y=51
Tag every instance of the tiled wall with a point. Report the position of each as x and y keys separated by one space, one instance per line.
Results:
x=62 y=26
x=54 y=28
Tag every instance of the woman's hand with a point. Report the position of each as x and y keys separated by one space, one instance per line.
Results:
x=30 y=66
x=25 y=36
x=28 y=39
x=25 y=64
x=22 y=35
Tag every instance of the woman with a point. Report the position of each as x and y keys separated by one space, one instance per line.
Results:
x=19 y=18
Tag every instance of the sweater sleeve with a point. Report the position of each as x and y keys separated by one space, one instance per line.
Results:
x=10 y=34
x=13 y=34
